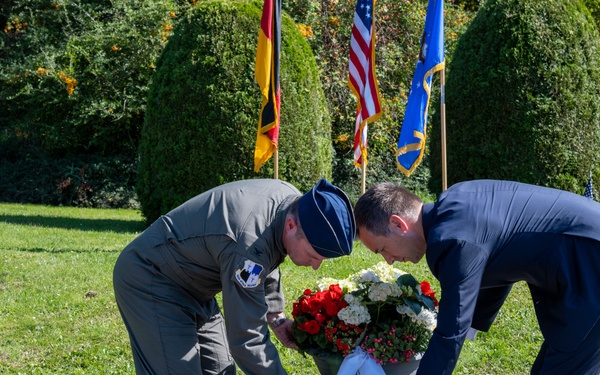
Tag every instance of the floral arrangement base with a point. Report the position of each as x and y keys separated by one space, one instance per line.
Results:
x=330 y=365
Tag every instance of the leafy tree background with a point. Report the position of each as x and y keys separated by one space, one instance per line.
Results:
x=399 y=24
x=74 y=78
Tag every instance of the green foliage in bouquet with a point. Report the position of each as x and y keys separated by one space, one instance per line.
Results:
x=203 y=107
x=386 y=312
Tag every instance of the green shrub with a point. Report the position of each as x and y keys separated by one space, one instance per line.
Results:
x=522 y=96
x=594 y=8
x=472 y=5
x=32 y=176
x=74 y=73
x=201 y=122
x=74 y=76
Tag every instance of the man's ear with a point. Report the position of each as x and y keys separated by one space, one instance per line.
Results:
x=290 y=224
x=396 y=222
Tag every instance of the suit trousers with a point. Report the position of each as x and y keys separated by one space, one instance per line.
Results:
x=584 y=360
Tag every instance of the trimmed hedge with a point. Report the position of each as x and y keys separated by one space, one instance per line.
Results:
x=522 y=96
x=74 y=78
x=201 y=121
x=77 y=180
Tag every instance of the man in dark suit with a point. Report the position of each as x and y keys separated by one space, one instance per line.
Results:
x=481 y=237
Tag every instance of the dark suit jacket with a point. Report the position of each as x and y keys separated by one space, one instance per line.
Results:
x=483 y=236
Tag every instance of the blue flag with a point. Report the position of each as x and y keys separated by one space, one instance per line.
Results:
x=411 y=142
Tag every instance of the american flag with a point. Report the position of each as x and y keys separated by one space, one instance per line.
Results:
x=589 y=192
x=362 y=80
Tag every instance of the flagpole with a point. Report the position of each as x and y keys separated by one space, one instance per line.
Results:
x=443 y=127
x=276 y=164
x=364 y=176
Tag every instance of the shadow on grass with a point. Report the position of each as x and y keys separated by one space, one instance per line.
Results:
x=94 y=225
x=65 y=250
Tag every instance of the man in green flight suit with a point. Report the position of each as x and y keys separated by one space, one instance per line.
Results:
x=230 y=239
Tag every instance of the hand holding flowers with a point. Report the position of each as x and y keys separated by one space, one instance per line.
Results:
x=386 y=312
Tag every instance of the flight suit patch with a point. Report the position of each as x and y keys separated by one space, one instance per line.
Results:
x=249 y=275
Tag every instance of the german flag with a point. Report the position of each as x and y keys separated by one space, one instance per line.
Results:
x=266 y=73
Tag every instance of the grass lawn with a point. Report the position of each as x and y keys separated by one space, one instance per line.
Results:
x=58 y=314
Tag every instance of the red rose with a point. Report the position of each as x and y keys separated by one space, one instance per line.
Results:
x=305 y=305
x=311 y=327
x=320 y=318
x=342 y=346
x=336 y=292
x=314 y=305
x=331 y=309
x=296 y=310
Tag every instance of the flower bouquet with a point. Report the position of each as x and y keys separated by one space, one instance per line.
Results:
x=381 y=312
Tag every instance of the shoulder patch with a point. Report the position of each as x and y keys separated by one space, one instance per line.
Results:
x=249 y=275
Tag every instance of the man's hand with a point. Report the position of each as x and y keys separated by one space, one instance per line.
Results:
x=284 y=334
x=282 y=328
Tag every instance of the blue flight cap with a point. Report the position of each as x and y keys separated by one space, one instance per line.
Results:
x=327 y=219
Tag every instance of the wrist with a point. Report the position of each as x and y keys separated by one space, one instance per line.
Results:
x=274 y=316
x=279 y=320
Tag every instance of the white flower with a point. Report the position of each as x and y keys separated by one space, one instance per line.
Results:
x=387 y=273
x=325 y=282
x=354 y=314
x=348 y=285
x=381 y=291
x=405 y=310
x=427 y=318
x=368 y=276
x=352 y=299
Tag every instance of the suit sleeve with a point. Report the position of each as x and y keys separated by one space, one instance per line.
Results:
x=459 y=266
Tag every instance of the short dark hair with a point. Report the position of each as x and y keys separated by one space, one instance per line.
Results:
x=374 y=208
